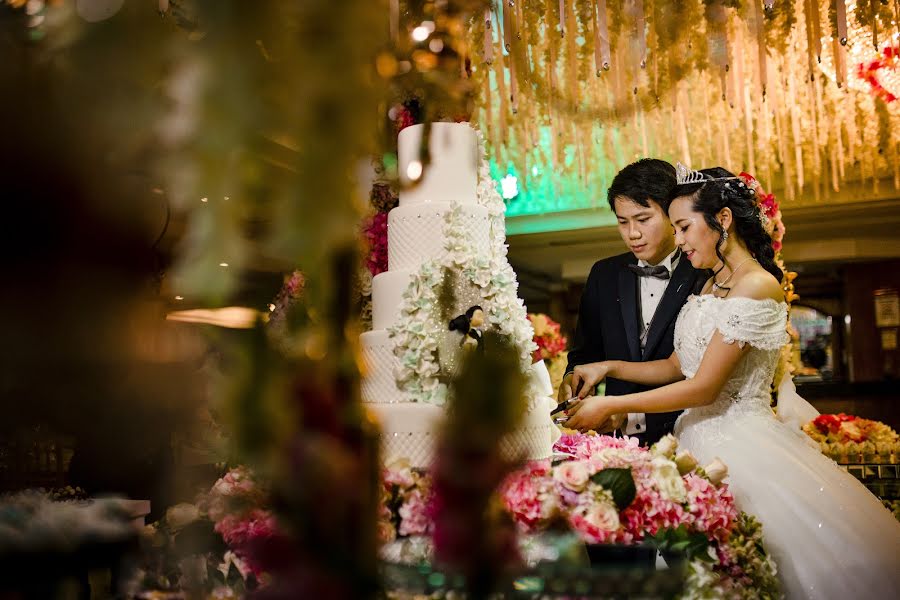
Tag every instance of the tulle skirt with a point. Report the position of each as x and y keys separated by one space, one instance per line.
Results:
x=830 y=536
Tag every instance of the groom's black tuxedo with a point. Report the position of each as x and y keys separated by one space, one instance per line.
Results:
x=609 y=328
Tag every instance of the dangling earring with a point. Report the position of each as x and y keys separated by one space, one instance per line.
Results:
x=725 y=237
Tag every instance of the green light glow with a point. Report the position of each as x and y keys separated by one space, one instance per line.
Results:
x=550 y=200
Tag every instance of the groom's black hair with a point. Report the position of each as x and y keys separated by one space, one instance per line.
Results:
x=645 y=181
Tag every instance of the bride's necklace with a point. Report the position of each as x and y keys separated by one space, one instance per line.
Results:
x=718 y=287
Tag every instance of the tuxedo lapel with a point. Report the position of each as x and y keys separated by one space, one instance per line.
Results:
x=628 y=302
x=680 y=287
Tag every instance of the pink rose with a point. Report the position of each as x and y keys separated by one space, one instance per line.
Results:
x=603 y=516
x=597 y=524
x=414 y=515
x=572 y=474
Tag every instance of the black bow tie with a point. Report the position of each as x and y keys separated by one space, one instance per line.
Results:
x=658 y=271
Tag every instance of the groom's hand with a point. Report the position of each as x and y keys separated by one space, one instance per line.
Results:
x=586 y=377
x=565 y=389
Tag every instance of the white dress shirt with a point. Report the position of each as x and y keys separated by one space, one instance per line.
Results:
x=651 y=291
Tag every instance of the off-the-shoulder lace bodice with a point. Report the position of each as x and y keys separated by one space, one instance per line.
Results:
x=759 y=323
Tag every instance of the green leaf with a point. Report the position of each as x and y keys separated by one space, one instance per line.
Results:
x=680 y=540
x=620 y=483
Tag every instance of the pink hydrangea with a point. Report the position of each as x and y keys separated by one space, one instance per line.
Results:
x=235 y=491
x=525 y=494
x=240 y=532
x=581 y=446
x=650 y=512
x=710 y=509
x=414 y=515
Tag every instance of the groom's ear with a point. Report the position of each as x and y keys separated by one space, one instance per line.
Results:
x=725 y=218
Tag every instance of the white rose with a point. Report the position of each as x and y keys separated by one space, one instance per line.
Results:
x=668 y=479
x=603 y=516
x=572 y=474
x=665 y=447
x=716 y=471
x=685 y=461
x=182 y=515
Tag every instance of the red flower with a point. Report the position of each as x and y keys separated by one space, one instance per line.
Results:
x=376 y=235
x=404 y=119
x=831 y=423
x=869 y=72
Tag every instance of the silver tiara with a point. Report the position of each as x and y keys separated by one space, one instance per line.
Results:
x=686 y=176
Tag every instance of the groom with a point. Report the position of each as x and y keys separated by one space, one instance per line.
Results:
x=631 y=301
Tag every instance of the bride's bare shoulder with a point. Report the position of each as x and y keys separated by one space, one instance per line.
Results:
x=758 y=284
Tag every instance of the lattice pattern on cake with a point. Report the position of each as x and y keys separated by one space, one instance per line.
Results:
x=416 y=447
x=416 y=234
x=531 y=442
x=378 y=386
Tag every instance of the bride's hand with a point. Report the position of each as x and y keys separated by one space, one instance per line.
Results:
x=586 y=377
x=588 y=413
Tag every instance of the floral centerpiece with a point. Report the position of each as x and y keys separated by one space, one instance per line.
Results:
x=613 y=491
x=209 y=547
x=843 y=436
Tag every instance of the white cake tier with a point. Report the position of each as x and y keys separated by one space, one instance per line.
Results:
x=452 y=173
x=387 y=294
x=378 y=385
x=416 y=233
x=409 y=431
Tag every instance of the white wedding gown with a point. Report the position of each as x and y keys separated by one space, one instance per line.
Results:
x=830 y=537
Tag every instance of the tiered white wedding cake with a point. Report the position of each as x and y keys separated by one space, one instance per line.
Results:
x=448 y=231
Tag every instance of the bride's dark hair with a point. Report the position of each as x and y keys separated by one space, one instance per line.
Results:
x=710 y=197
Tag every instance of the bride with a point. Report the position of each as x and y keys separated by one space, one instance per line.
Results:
x=829 y=536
